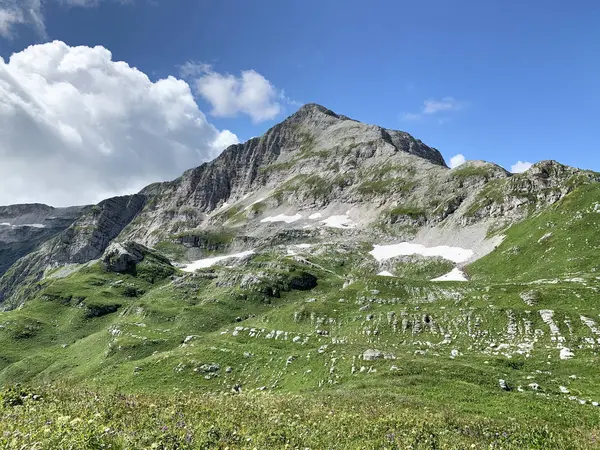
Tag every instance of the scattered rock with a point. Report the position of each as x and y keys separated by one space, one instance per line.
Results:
x=566 y=353
x=208 y=368
x=372 y=355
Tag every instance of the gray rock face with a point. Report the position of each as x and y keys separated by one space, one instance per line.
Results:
x=316 y=163
x=24 y=227
x=85 y=240
x=306 y=143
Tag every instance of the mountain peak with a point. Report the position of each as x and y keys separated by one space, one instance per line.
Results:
x=310 y=109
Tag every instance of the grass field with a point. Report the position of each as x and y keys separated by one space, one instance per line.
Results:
x=313 y=350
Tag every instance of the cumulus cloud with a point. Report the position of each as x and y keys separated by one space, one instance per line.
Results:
x=457 y=160
x=76 y=127
x=31 y=13
x=432 y=106
x=520 y=166
x=250 y=93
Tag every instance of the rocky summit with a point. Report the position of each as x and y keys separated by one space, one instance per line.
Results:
x=326 y=256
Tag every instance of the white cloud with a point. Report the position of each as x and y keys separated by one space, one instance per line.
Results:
x=192 y=69
x=457 y=160
x=76 y=127
x=431 y=107
x=30 y=12
x=20 y=12
x=520 y=167
x=411 y=116
x=445 y=104
x=8 y=19
x=250 y=93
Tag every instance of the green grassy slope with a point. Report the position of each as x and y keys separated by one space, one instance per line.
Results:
x=439 y=349
x=562 y=241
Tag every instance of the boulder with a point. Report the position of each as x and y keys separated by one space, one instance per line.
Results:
x=123 y=257
x=372 y=355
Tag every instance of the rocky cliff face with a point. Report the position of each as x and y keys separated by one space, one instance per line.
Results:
x=24 y=227
x=313 y=142
x=316 y=175
x=84 y=240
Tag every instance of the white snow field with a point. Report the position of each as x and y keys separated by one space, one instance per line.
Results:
x=282 y=218
x=343 y=222
x=315 y=216
x=455 y=275
x=208 y=262
x=30 y=225
x=454 y=254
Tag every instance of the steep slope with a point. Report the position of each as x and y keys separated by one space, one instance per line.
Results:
x=24 y=227
x=560 y=242
x=312 y=158
x=83 y=241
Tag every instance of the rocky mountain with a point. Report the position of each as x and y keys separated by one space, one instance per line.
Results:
x=317 y=175
x=24 y=227
x=330 y=257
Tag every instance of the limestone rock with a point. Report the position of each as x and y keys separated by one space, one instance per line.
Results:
x=122 y=258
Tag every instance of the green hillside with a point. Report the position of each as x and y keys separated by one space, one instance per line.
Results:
x=561 y=242
x=235 y=342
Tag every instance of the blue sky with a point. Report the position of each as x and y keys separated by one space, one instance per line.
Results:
x=496 y=80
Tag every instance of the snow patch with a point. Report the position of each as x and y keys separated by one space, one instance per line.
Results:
x=343 y=222
x=385 y=273
x=282 y=218
x=315 y=216
x=30 y=225
x=455 y=275
x=208 y=262
x=454 y=254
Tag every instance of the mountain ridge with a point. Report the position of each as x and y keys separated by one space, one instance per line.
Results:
x=386 y=183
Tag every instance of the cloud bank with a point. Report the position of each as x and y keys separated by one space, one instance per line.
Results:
x=77 y=127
